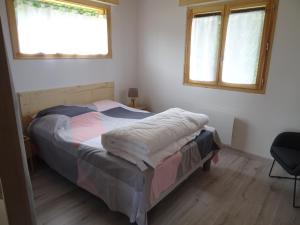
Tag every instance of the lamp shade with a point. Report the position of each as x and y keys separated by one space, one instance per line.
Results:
x=133 y=93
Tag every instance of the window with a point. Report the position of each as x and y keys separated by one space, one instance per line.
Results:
x=59 y=29
x=228 y=45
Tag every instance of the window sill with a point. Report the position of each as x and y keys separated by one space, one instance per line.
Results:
x=60 y=56
x=228 y=88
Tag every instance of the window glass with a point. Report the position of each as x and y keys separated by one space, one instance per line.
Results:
x=205 y=47
x=54 y=27
x=242 y=48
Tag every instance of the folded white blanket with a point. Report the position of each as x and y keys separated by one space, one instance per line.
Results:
x=148 y=136
x=156 y=158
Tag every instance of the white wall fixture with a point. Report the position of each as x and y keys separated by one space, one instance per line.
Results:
x=3 y=214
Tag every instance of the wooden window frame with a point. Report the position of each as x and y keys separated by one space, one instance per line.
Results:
x=266 y=43
x=15 y=38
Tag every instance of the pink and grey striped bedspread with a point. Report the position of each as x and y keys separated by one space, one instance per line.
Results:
x=69 y=141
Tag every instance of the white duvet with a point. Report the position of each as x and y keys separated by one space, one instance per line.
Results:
x=153 y=139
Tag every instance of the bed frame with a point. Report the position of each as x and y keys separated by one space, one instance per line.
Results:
x=35 y=101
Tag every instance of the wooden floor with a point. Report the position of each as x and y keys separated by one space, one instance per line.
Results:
x=237 y=191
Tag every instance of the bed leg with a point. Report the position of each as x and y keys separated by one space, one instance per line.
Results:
x=206 y=165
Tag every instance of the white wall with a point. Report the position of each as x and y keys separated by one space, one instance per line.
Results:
x=3 y=216
x=45 y=74
x=259 y=117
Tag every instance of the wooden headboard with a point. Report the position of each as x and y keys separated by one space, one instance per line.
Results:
x=35 y=101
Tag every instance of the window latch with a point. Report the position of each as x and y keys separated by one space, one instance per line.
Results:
x=262 y=82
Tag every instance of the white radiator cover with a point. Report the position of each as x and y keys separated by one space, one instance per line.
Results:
x=224 y=124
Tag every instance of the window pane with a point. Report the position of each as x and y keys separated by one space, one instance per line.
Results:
x=242 y=48
x=204 y=47
x=44 y=28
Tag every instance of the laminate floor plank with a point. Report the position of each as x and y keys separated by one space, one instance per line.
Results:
x=236 y=191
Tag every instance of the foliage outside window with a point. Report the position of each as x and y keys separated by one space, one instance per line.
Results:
x=229 y=45
x=59 y=29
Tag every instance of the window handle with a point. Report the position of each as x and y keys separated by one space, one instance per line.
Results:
x=268 y=47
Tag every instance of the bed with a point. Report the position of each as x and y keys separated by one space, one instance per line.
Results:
x=68 y=137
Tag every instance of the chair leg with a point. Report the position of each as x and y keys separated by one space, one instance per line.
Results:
x=287 y=178
x=295 y=191
x=271 y=168
x=279 y=177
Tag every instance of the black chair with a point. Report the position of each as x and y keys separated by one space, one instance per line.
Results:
x=286 y=151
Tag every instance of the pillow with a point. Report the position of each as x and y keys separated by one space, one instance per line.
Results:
x=66 y=110
x=106 y=105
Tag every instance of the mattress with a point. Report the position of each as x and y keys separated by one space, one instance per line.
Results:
x=69 y=141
